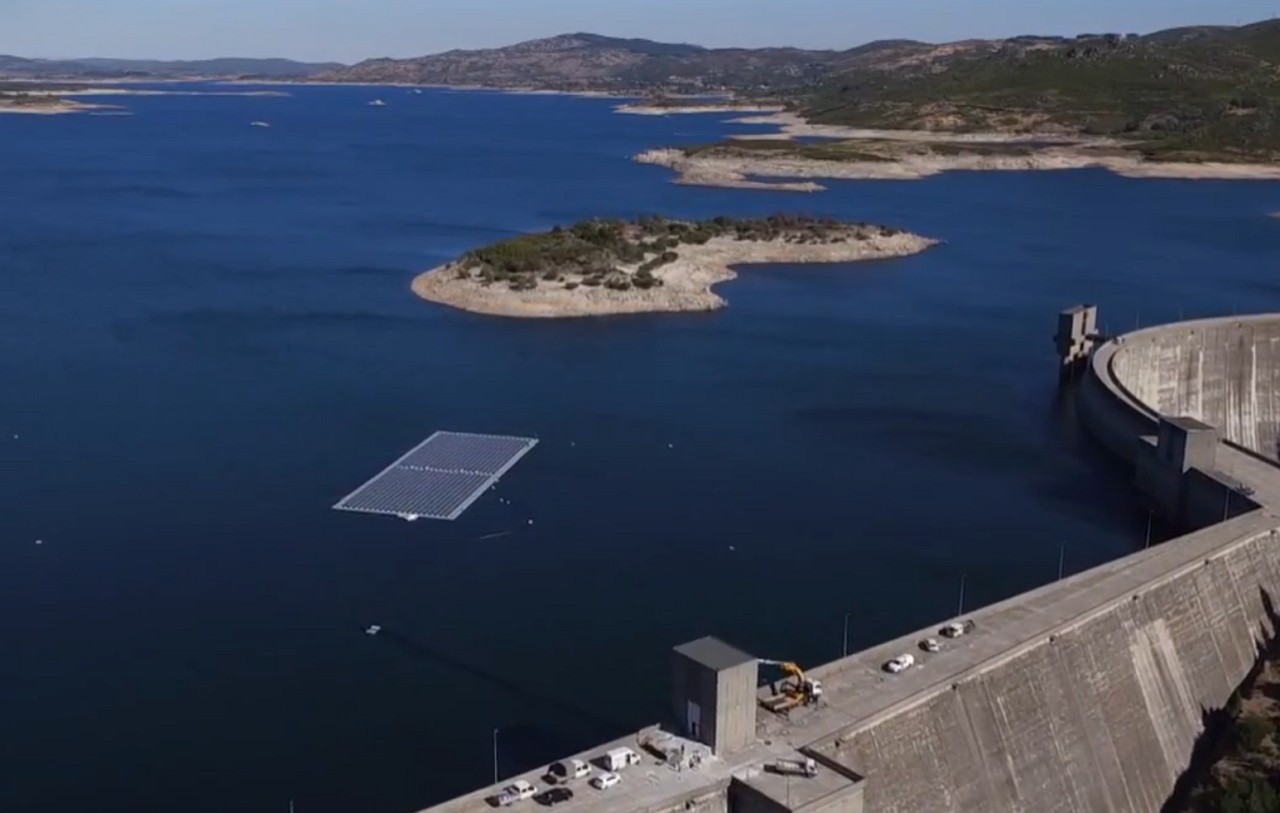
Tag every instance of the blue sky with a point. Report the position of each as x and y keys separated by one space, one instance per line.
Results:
x=350 y=30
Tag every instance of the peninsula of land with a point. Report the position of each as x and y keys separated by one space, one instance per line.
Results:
x=33 y=99
x=601 y=267
x=782 y=162
x=38 y=97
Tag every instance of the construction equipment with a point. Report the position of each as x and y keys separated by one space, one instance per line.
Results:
x=801 y=691
x=795 y=767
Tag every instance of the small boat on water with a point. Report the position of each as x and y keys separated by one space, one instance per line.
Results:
x=259 y=124
x=377 y=103
x=373 y=629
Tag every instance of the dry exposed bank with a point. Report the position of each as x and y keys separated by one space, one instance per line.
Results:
x=646 y=109
x=513 y=91
x=47 y=106
x=863 y=154
x=686 y=282
x=791 y=126
x=752 y=171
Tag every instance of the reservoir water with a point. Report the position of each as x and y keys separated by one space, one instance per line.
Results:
x=207 y=337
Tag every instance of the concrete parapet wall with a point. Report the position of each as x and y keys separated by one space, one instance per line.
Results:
x=1225 y=372
x=1100 y=714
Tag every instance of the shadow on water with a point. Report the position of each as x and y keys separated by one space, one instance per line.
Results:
x=1217 y=723
x=589 y=722
x=1119 y=497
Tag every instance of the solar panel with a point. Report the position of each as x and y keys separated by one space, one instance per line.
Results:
x=440 y=477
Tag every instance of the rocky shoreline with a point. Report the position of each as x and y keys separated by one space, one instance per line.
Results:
x=912 y=158
x=645 y=109
x=49 y=106
x=752 y=172
x=686 y=283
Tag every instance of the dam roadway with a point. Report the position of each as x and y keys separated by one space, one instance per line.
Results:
x=1087 y=694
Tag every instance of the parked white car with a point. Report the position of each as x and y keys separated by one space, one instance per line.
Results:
x=957 y=629
x=900 y=663
x=517 y=791
x=930 y=645
x=604 y=781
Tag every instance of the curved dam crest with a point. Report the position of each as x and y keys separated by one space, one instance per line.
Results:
x=1223 y=372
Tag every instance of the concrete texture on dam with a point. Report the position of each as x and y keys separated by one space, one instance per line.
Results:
x=1225 y=372
x=1085 y=695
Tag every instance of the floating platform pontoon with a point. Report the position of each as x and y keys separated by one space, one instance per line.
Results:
x=440 y=477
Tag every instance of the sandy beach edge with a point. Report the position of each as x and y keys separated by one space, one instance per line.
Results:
x=54 y=107
x=642 y=109
x=687 y=282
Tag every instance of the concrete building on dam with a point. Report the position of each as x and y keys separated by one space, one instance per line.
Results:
x=1082 y=696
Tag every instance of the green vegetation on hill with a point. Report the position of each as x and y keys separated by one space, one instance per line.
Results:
x=1191 y=94
x=1237 y=767
x=855 y=150
x=592 y=252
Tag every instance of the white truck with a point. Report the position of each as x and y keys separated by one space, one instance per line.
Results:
x=618 y=758
x=569 y=769
x=517 y=791
x=796 y=767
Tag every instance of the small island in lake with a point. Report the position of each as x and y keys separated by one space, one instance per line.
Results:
x=37 y=99
x=654 y=264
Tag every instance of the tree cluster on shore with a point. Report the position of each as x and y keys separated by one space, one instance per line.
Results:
x=599 y=252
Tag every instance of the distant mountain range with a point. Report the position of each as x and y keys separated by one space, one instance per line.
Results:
x=1193 y=93
x=14 y=67
x=590 y=62
x=1203 y=90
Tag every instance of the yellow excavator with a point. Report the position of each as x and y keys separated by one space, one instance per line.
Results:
x=800 y=691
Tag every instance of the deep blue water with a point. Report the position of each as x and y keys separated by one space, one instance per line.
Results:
x=207 y=337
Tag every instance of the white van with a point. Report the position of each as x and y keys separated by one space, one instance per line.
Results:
x=619 y=758
x=569 y=769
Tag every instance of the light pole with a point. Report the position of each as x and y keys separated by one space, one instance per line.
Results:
x=1062 y=554
x=1150 y=513
x=495 y=756
x=844 y=650
x=960 y=610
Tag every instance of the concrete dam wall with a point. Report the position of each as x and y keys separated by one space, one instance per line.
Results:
x=1096 y=714
x=1225 y=372
x=1101 y=711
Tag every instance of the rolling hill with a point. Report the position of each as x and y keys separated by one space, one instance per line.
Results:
x=14 y=67
x=1188 y=92
x=590 y=62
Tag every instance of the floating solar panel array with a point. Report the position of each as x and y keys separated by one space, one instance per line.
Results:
x=440 y=477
